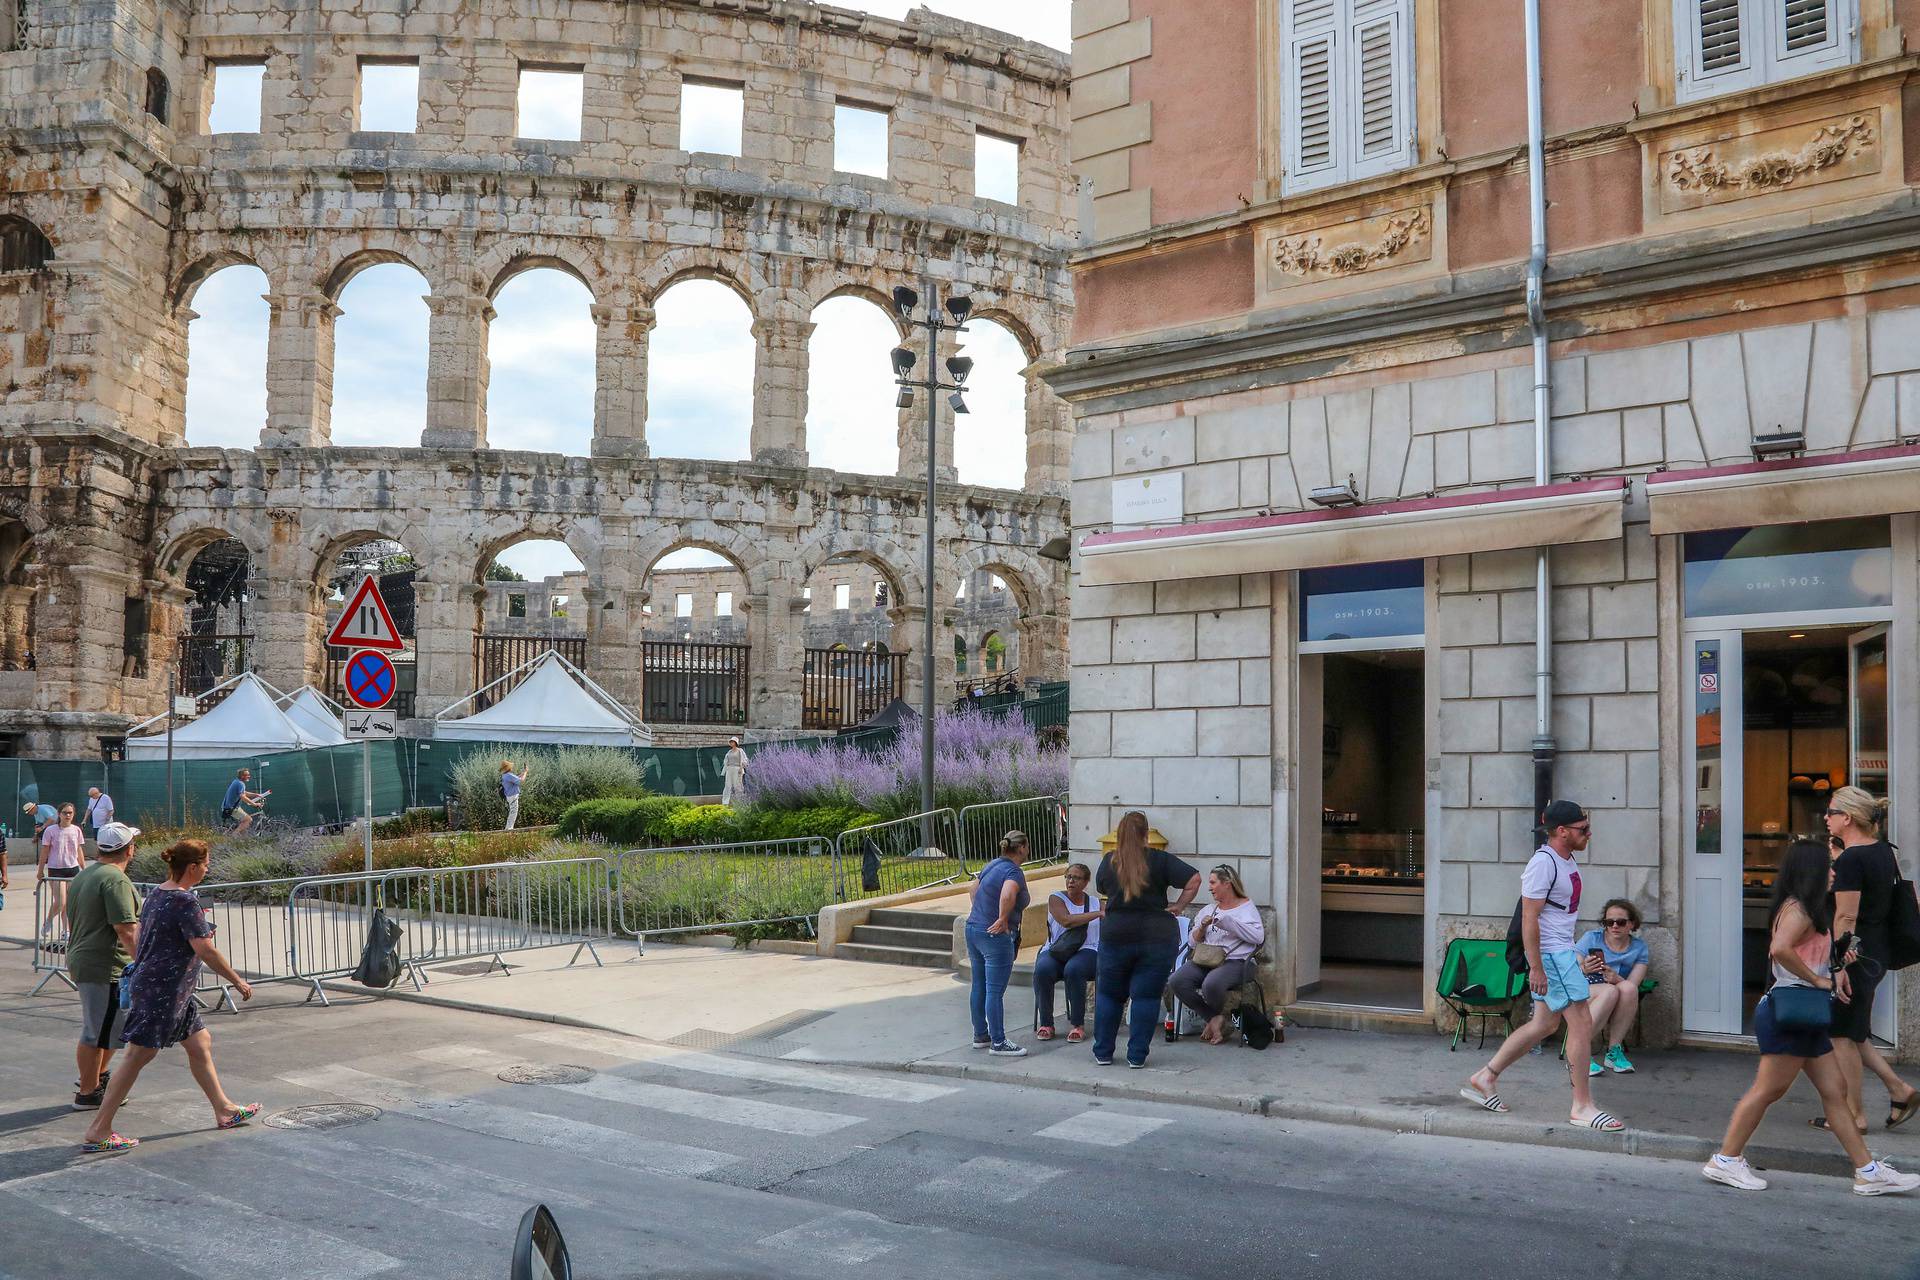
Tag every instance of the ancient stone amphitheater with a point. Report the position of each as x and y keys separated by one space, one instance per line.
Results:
x=117 y=202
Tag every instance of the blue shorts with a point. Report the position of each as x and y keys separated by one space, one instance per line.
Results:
x=1772 y=1038
x=1566 y=981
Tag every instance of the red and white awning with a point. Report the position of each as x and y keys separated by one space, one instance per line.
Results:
x=1495 y=520
x=1869 y=482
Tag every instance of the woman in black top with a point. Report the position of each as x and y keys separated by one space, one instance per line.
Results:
x=1865 y=876
x=1138 y=937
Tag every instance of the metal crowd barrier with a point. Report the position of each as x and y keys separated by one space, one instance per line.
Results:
x=1042 y=818
x=326 y=923
x=703 y=888
x=914 y=852
x=496 y=908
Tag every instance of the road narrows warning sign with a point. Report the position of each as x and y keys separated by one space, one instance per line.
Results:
x=365 y=623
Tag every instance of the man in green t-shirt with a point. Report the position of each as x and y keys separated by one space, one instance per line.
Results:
x=103 y=917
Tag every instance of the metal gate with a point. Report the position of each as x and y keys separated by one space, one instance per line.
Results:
x=495 y=656
x=842 y=687
x=689 y=682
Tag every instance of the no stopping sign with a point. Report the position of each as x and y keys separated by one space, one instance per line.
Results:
x=370 y=679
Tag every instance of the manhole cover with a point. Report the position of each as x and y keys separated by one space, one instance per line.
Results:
x=546 y=1073
x=471 y=969
x=324 y=1115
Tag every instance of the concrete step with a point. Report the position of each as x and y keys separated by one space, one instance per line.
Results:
x=902 y=918
x=914 y=939
x=894 y=955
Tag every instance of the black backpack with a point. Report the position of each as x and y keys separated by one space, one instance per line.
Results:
x=1516 y=943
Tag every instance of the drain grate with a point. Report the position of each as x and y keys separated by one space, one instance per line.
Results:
x=324 y=1115
x=546 y=1073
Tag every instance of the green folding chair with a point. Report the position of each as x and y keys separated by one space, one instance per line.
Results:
x=1475 y=982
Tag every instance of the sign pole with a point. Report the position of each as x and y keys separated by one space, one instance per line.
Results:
x=366 y=792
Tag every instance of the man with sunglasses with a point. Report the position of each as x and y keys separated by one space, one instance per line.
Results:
x=1549 y=909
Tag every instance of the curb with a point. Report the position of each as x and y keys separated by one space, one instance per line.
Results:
x=1428 y=1121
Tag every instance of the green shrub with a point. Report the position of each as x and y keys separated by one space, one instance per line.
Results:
x=703 y=824
x=827 y=821
x=557 y=777
x=621 y=822
x=413 y=822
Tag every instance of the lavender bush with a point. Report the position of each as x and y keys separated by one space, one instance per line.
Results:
x=978 y=758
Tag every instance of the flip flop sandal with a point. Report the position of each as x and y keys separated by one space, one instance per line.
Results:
x=1044 y=1033
x=114 y=1145
x=1604 y=1122
x=1903 y=1112
x=1486 y=1101
x=1820 y=1122
x=240 y=1117
x=1075 y=1036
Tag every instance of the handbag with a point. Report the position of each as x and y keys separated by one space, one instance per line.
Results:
x=1903 y=926
x=1068 y=944
x=1207 y=955
x=1800 y=1008
x=380 y=966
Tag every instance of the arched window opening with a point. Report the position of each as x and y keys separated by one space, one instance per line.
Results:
x=23 y=246
x=159 y=95
x=218 y=641
x=852 y=423
x=540 y=358
x=227 y=359
x=700 y=373
x=380 y=358
x=694 y=657
x=527 y=590
x=990 y=440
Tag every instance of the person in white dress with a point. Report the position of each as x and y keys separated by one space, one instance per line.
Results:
x=734 y=772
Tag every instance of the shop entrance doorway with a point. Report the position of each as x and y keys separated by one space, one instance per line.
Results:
x=1786 y=707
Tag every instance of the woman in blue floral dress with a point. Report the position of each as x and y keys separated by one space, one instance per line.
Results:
x=176 y=938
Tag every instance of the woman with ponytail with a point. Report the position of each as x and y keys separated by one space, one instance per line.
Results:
x=1138 y=937
x=1865 y=876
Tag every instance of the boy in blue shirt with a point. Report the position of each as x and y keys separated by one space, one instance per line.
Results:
x=1615 y=960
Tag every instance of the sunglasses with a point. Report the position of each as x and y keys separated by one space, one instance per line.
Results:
x=1834 y=813
x=1617 y=924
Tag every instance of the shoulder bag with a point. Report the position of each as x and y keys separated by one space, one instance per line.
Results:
x=1797 y=1008
x=1071 y=939
x=1903 y=924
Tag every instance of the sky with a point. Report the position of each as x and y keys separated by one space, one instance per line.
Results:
x=541 y=343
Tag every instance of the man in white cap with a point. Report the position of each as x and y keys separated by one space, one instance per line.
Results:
x=103 y=918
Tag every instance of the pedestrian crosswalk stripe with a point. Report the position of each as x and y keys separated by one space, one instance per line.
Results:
x=746 y=1112
x=1103 y=1128
x=847 y=1239
x=515 y=1124
x=883 y=1088
x=128 y=1201
x=991 y=1178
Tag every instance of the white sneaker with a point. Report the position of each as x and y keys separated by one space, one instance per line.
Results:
x=1884 y=1180
x=1732 y=1173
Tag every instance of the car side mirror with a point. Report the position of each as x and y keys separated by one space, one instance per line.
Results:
x=539 y=1252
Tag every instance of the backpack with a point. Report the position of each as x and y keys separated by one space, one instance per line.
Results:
x=1516 y=942
x=380 y=965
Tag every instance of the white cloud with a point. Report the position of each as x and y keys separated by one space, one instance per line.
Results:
x=389 y=97
x=710 y=118
x=550 y=104
x=380 y=358
x=700 y=374
x=540 y=356
x=227 y=359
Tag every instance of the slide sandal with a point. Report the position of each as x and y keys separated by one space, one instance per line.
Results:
x=1903 y=1112
x=1603 y=1121
x=1489 y=1102
x=241 y=1116
x=114 y=1145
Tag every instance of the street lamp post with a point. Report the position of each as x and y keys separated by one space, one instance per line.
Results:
x=905 y=300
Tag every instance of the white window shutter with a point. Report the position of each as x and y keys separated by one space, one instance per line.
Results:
x=1809 y=35
x=1379 y=57
x=1313 y=78
x=1718 y=46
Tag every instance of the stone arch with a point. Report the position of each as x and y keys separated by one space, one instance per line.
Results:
x=581 y=537
x=187 y=534
x=23 y=246
x=867 y=291
x=729 y=544
x=1031 y=344
x=364 y=528
x=893 y=561
x=733 y=270
x=495 y=269
x=372 y=250
x=208 y=264
x=1025 y=574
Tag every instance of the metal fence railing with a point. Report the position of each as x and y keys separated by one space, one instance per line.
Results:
x=1043 y=819
x=913 y=852
x=704 y=888
x=494 y=909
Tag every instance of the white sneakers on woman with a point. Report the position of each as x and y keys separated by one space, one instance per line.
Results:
x=1877 y=1179
x=1732 y=1171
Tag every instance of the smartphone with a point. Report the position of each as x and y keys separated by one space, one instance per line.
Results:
x=1595 y=953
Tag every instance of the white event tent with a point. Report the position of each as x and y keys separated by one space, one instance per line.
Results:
x=316 y=716
x=247 y=722
x=555 y=703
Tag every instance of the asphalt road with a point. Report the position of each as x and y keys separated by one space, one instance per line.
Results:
x=702 y=1165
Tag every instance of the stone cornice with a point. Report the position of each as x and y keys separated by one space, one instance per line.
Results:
x=1474 y=311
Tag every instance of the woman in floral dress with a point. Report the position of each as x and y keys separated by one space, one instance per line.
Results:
x=176 y=938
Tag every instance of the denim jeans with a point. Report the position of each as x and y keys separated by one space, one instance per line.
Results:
x=990 y=957
x=1134 y=971
x=1077 y=973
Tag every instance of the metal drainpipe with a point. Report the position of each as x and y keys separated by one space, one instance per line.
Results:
x=1543 y=744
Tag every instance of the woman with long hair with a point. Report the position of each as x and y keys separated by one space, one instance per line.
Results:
x=1138 y=937
x=1801 y=950
x=1865 y=877
x=175 y=940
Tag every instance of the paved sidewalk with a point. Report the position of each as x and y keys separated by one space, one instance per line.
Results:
x=891 y=1018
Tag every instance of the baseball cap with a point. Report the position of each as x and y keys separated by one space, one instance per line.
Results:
x=116 y=836
x=1562 y=813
